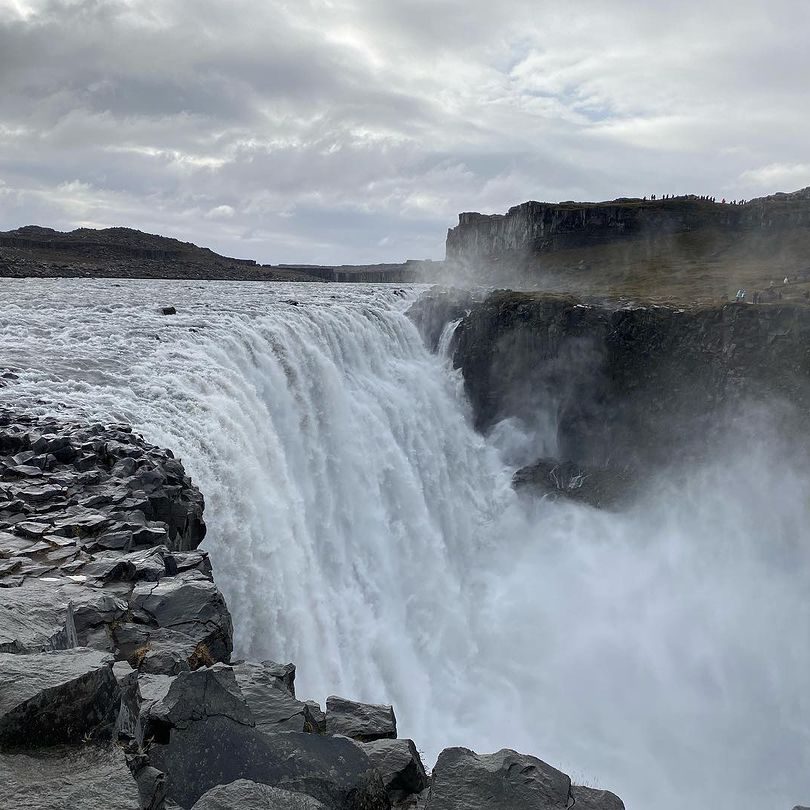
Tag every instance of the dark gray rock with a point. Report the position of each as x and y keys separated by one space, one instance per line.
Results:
x=243 y=795
x=56 y=697
x=194 y=696
x=331 y=769
x=82 y=777
x=400 y=766
x=464 y=780
x=271 y=701
x=586 y=798
x=360 y=721
x=190 y=605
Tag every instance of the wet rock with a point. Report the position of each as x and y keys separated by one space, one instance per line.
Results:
x=331 y=769
x=600 y=487
x=168 y=311
x=190 y=605
x=464 y=780
x=82 y=777
x=400 y=766
x=360 y=721
x=56 y=697
x=275 y=709
x=242 y=794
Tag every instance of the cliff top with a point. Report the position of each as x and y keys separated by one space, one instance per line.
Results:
x=683 y=250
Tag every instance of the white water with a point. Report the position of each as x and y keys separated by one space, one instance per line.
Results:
x=360 y=528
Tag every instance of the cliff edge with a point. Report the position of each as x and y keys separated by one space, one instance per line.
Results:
x=677 y=248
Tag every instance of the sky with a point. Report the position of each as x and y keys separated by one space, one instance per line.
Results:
x=322 y=131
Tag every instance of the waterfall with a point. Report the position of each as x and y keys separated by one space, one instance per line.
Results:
x=359 y=527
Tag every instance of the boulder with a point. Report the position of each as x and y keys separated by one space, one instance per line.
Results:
x=400 y=766
x=271 y=701
x=189 y=604
x=218 y=751
x=56 y=697
x=586 y=798
x=81 y=777
x=242 y=795
x=360 y=721
x=464 y=780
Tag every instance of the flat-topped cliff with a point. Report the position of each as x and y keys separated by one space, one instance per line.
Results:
x=679 y=247
x=34 y=251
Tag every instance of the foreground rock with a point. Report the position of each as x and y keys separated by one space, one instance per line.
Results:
x=400 y=767
x=83 y=777
x=464 y=780
x=360 y=721
x=244 y=794
x=56 y=697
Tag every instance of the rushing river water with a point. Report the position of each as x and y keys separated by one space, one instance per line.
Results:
x=359 y=527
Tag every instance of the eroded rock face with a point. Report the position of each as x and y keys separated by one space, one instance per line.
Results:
x=632 y=387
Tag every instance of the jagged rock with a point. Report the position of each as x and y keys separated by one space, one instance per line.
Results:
x=190 y=605
x=400 y=766
x=265 y=688
x=331 y=769
x=158 y=650
x=242 y=795
x=464 y=780
x=360 y=721
x=34 y=618
x=56 y=697
x=82 y=777
x=194 y=696
x=590 y=799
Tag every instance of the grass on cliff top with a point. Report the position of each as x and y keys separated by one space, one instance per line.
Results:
x=705 y=266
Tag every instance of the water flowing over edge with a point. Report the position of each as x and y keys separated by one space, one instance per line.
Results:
x=359 y=527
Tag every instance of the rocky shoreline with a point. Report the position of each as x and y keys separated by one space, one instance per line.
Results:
x=117 y=684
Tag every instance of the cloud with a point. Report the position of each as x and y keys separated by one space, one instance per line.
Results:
x=356 y=131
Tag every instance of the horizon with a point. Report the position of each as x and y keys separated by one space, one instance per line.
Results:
x=332 y=134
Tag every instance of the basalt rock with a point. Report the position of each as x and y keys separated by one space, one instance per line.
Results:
x=63 y=696
x=267 y=690
x=243 y=794
x=81 y=777
x=400 y=766
x=360 y=721
x=464 y=780
x=632 y=388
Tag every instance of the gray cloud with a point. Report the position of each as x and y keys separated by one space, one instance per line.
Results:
x=356 y=130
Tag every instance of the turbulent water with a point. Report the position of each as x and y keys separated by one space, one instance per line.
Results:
x=359 y=527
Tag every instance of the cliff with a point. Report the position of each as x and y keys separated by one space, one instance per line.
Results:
x=628 y=389
x=642 y=248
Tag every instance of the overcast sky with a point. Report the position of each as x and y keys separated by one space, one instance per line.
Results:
x=331 y=131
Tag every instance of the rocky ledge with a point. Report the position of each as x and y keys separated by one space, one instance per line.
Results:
x=117 y=688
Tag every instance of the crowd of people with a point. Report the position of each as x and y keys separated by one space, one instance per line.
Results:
x=701 y=197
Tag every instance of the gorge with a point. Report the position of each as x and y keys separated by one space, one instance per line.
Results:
x=359 y=526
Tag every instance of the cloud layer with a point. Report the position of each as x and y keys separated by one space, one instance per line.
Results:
x=356 y=130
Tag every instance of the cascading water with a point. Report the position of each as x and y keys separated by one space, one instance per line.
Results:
x=359 y=527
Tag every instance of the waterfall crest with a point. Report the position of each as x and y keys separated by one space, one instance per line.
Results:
x=359 y=527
